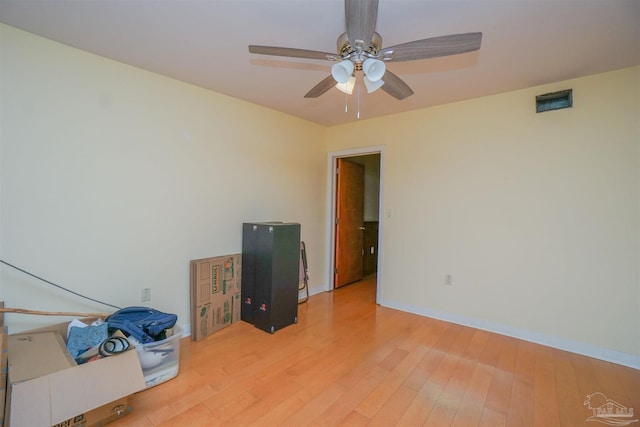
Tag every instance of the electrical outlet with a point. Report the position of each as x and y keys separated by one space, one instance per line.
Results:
x=448 y=280
x=146 y=294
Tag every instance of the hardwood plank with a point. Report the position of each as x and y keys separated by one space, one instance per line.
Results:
x=445 y=408
x=470 y=409
x=499 y=395
x=492 y=418
x=268 y=396
x=520 y=413
x=315 y=406
x=394 y=408
x=607 y=381
x=476 y=344
x=392 y=360
x=222 y=409
x=628 y=381
x=423 y=370
x=197 y=415
x=387 y=387
x=525 y=362
x=545 y=397
x=570 y=398
x=421 y=406
x=355 y=419
x=339 y=411
x=448 y=404
x=178 y=404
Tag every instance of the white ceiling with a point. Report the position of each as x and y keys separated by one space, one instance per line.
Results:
x=204 y=42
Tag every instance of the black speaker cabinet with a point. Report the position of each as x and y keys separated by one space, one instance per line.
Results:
x=270 y=274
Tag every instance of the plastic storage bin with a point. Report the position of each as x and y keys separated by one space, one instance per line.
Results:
x=160 y=360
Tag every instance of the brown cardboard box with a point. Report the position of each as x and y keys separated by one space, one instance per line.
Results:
x=213 y=284
x=221 y=311
x=102 y=415
x=43 y=375
x=3 y=370
x=33 y=355
x=235 y=307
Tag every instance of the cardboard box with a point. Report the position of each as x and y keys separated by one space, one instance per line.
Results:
x=102 y=415
x=4 y=335
x=213 y=284
x=235 y=307
x=46 y=387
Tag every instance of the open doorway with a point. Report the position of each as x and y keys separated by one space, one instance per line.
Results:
x=364 y=229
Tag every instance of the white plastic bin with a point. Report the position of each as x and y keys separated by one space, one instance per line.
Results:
x=160 y=360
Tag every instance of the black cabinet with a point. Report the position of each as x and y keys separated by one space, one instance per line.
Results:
x=270 y=274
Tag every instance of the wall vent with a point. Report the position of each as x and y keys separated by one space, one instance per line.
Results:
x=554 y=101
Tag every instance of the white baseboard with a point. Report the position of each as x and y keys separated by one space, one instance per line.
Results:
x=577 y=347
x=317 y=290
x=186 y=330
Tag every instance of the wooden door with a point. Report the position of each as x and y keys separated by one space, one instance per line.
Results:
x=349 y=223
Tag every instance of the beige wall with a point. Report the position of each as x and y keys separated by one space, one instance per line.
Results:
x=113 y=178
x=536 y=216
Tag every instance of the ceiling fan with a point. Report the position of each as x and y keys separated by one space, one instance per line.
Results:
x=360 y=49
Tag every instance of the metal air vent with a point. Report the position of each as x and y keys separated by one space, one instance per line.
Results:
x=554 y=101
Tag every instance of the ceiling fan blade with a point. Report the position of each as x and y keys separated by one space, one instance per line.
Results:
x=395 y=86
x=361 y=17
x=293 y=52
x=321 y=87
x=433 y=47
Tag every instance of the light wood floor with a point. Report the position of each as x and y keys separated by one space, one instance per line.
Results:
x=350 y=362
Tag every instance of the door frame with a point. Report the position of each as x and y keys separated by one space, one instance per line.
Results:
x=331 y=209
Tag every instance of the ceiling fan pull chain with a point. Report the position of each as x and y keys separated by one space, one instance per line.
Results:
x=358 y=94
x=346 y=108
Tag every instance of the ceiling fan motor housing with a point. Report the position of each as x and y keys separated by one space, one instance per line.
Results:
x=345 y=49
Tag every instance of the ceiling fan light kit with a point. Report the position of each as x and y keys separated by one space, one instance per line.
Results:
x=360 y=49
x=342 y=71
x=372 y=85
x=348 y=86
x=373 y=69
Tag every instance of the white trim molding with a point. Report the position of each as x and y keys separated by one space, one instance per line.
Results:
x=331 y=208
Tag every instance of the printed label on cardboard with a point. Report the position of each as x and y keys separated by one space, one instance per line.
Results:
x=215 y=279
